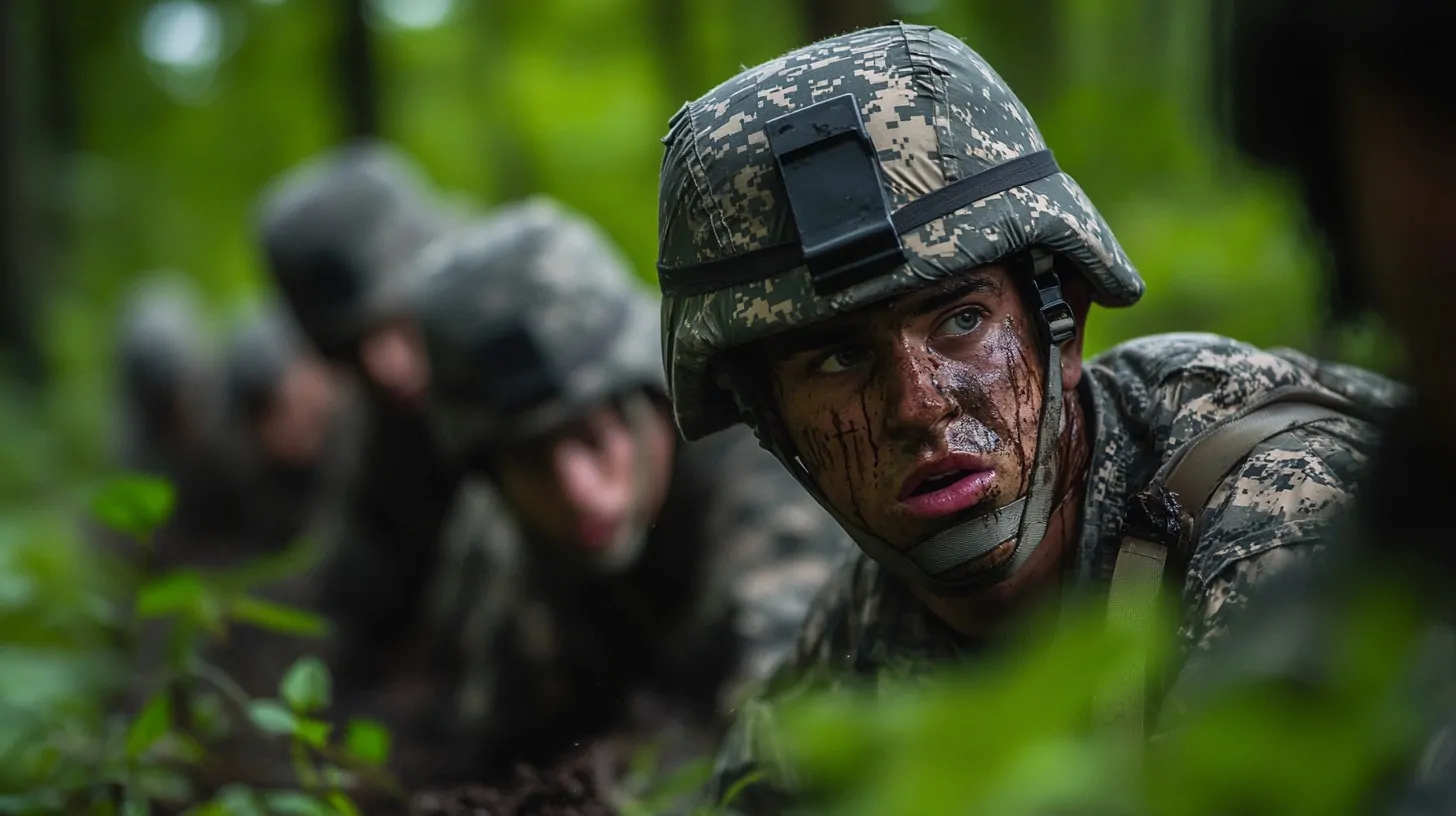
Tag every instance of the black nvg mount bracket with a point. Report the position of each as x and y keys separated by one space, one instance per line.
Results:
x=832 y=177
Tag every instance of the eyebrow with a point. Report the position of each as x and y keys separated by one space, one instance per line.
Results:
x=944 y=293
x=849 y=327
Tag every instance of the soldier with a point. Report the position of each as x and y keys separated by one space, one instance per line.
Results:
x=868 y=254
x=170 y=417
x=651 y=570
x=341 y=233
x=1364 y=125
x=288 y=404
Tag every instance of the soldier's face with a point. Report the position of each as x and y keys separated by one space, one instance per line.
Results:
x=1401 y=174
x=584 y=487
x=296 y=425
x=917 y=415
x=393 y=357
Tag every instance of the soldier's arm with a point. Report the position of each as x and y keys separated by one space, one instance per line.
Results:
x=1270 y=519
x=751 y=764
x=779 y=550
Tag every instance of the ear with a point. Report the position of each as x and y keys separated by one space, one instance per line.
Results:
x=1078 y=296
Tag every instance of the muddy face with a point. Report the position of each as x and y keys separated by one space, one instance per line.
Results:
x=916 y=416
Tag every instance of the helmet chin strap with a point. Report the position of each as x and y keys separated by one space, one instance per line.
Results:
x=1023 y=520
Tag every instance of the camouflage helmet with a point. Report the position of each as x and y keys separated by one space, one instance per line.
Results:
x=530 y=316
x=160 y=350
x=258 y=356
x=337 y=228
x=844 y=173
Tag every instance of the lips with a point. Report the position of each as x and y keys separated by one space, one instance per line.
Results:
x=947 y=486
x=596 y=534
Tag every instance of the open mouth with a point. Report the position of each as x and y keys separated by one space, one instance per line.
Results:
x=947 y=486
x=940 y=482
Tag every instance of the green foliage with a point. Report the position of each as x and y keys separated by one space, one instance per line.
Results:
x=65 y=744
x=367 y=742
x=134 y=505
x=1024 y=736
x=306 y=686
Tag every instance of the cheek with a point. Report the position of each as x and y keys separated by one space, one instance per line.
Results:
x=832 y=437
x=998 y=388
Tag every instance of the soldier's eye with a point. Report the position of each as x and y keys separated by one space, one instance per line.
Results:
x=841 y=359
x=963 y=322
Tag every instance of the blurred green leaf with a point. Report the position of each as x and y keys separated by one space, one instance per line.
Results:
x=272 y=717
x=183 y=593
x=342 y=804
x=367 y=741
x=237 y=800
x=153 y=722
x=294 y=803
x=306 y=685
x=134 y=504
x=276 y=617
x=314 y=733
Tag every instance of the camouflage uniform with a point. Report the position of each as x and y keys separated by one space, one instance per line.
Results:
x=755 y=241
x=341 y=234
x=531 y=319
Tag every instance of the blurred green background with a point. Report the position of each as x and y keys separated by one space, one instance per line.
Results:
x=136 y=135
x=140 y=133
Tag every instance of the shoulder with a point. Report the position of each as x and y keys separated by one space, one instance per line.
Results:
x=1173 y=386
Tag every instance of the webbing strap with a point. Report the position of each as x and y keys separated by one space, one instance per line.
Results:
x=1192 y=474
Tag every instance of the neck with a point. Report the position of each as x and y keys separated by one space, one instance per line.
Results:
x=1039 y=580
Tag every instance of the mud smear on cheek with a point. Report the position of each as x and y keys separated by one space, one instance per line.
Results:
x=999 y=394
x=846 y=436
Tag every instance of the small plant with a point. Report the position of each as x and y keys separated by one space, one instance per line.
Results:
x=81 y=754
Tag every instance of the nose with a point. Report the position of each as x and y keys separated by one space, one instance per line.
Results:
x=916 y=407
x=584 y=481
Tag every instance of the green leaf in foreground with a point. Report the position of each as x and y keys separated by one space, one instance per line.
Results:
x=134 y=504
x=368 y=742
x=294 y=803
x=276 y=617
x=272 y=717
x=306 y=686
x=149 y=726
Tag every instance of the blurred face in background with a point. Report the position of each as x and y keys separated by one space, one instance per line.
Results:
x=392 y=356
x=294 y=428
x=591 y=488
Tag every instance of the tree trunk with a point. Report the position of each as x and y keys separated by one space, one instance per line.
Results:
x=18 y=342
x=357 y=79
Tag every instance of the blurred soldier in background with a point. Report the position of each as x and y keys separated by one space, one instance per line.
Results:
x=1357 y=102
x=291 y=412
x=658 y=579
x=889 y=281
x=340 y=234
x=171 y=414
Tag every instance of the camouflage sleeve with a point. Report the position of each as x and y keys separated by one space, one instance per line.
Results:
x=1272 y=518
x=774 y=549
x=751 y=750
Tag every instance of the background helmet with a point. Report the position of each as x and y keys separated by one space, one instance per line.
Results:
x=842 y=174
x=257 y=358
x=337 y=228
x=530 y=317
x=161 y=356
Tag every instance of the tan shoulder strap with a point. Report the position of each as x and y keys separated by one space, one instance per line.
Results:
x=1192 y=474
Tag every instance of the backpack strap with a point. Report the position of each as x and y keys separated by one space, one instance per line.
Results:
x=1184 y=486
